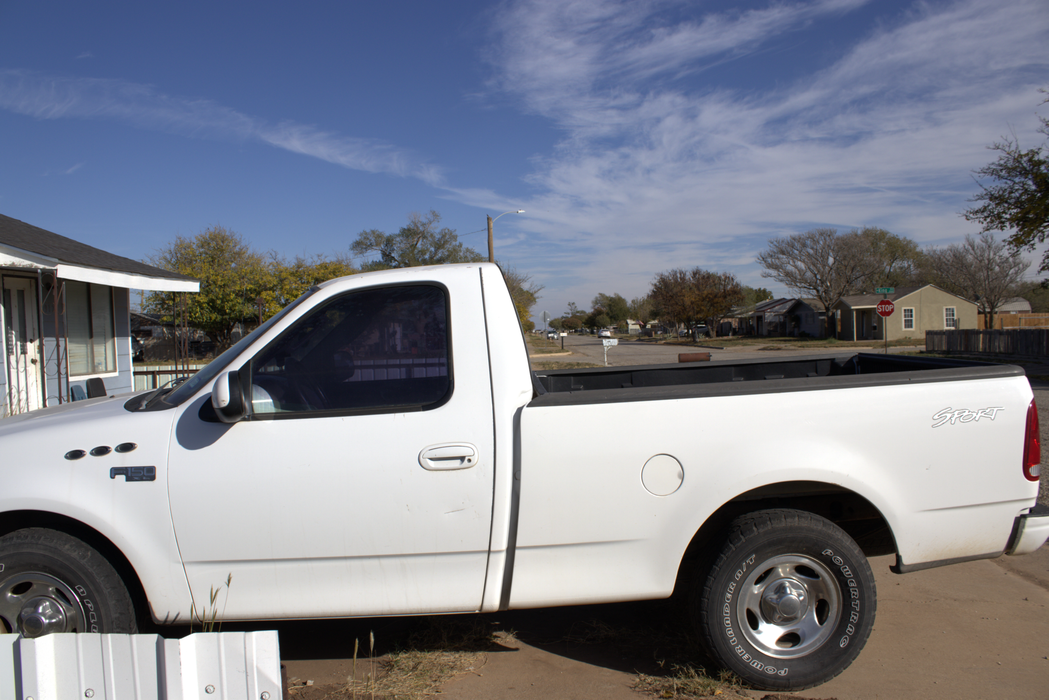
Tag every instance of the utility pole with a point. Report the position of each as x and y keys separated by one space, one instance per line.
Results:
x=491 y=242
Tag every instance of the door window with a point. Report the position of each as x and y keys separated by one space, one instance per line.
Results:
x=375 y=350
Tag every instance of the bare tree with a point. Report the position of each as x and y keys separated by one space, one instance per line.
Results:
x=828 y=265
x=982 y=269
x=820 y=263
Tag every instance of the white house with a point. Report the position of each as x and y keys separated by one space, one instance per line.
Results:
x=65 y=315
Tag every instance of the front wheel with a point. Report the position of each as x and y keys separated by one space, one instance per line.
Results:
x=52 y=582
x=788 y=602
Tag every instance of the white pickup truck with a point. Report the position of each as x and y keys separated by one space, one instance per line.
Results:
x=381 y=447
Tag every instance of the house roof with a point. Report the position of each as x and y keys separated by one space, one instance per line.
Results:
x=865 y=301
x=23 y=244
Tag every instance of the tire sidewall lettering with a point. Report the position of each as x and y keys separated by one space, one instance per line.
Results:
x=852 y=627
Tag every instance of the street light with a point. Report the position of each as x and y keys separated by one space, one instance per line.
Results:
x=491 y=243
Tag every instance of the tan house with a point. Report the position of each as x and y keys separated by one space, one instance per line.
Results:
x=916 y=310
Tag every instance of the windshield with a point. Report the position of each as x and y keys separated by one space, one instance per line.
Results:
x=207 y=375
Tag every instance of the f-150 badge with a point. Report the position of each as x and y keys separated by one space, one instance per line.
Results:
x=134 y=473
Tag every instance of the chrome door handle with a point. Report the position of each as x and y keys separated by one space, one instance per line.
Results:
x=448 y=456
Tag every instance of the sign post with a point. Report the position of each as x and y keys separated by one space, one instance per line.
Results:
x=885 y=309
x=608 y=343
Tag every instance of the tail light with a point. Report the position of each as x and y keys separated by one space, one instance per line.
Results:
x=1032 y=446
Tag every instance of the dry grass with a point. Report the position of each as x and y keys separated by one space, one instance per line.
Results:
x=435 y=653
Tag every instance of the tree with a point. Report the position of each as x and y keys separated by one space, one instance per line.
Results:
x=1037 y=293
x=614 y=306
x=752 y=296
x=828 y=265
x=895 y=261
x=418 y=243
x=524 y=293
x=1018 y=199
x=690 y=296
x=641 y=309
x=719 y=293
x=982 y=269
x=290 y=279
x=232 y=276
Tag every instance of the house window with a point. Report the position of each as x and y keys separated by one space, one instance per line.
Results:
x=908 y=319
x=90 y=332
x=949 y=320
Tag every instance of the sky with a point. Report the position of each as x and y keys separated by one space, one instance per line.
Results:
x=638 y=135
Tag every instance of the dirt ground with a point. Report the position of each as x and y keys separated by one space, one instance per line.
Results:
x=974 y=631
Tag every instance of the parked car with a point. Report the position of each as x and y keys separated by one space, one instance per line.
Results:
x=604 y=333
x=551 y=335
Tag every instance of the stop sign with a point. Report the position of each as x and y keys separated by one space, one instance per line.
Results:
x=885 y=308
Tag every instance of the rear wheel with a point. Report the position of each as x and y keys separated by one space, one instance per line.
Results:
x=788 y=602
x=52 y=582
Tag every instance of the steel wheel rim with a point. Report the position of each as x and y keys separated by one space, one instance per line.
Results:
x=789 y=606
x=34 y=604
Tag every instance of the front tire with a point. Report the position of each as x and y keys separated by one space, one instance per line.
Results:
x=51 y=582
x=788 y=602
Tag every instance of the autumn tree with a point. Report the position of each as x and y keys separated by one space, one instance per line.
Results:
x=290 y=279
x=690 y=296
x=232 y=276
x=673 y=295
x=1017 y=198
x=524 y=293
x=982 y=269
x=418 y=243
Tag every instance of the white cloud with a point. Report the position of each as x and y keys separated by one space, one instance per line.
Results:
x=51 y=97
x=654 y=171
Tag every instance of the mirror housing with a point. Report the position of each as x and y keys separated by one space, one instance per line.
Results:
x=227 y=398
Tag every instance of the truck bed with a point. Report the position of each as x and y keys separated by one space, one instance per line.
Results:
x=806 y=373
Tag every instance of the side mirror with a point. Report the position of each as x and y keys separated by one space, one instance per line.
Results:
x=227 y=398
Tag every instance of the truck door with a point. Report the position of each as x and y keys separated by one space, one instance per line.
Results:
x=361 y=482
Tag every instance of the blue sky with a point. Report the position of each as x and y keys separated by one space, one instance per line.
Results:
x=637 y=136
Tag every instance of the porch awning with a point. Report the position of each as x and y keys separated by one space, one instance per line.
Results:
x=125 y=279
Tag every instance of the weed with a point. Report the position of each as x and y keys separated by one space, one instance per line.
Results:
x=209 y=620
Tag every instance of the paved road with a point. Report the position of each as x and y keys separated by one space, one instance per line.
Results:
x=587 y=348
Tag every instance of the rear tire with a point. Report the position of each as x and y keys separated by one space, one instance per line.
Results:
x=788 y=602
x=52 y=582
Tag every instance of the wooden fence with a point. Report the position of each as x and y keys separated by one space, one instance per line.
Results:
x=1007 y=321
x=1029 y=342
